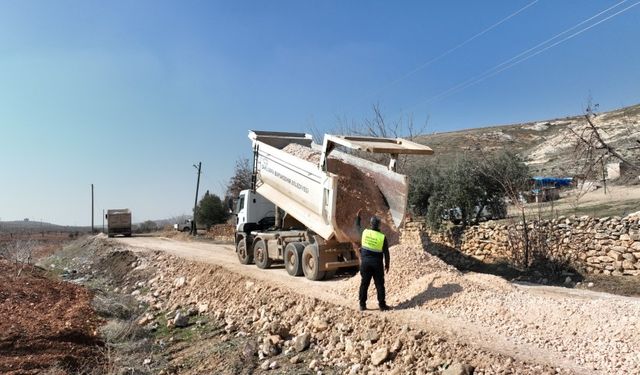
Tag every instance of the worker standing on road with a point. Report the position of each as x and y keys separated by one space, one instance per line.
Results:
x=374 y=249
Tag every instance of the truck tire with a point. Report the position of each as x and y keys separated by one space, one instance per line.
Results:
x=293 y=258
x=311 y=263
x=261 y=255
x=244 y=256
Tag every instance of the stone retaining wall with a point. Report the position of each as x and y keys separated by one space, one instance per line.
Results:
x=606 y=245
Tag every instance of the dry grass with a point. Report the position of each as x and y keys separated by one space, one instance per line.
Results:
x=118 y=307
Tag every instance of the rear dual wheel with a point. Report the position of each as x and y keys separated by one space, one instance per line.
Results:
x=260 y=255
x=245 y=257
x=311 y=263
x=293 y=258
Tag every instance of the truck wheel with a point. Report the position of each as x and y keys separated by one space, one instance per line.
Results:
x=293 y=258
x=245 y=257
x=260 y=255
x=311 y=263
x=186 y=229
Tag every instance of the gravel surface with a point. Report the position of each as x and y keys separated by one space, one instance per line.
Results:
x=340 y=339
x=596 y=331
x=568 y=330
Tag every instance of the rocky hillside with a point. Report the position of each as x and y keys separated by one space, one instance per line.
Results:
x=545 y=145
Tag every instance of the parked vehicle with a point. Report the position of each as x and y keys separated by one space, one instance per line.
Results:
x=185 y=226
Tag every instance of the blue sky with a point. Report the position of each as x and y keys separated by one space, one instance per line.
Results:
x=128 y=95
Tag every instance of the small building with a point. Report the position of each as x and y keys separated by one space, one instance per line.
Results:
x=545 y=189
x=613 y=170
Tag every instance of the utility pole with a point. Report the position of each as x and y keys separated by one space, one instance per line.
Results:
x=103 y=220
x=194 y=229
x=92 y=228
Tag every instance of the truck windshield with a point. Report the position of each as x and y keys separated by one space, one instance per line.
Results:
x=240 y=204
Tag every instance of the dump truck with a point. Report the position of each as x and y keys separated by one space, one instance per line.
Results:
x=298 y=210
x=118 y=222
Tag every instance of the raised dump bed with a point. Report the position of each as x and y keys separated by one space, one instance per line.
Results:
x=320 y=190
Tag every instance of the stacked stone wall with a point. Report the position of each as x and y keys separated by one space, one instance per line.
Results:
x=608 y=245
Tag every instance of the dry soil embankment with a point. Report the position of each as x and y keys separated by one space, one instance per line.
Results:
x=46 y=322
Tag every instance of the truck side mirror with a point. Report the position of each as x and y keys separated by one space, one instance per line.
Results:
x=106 y=216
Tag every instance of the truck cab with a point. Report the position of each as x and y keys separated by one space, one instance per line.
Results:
x=253 y=211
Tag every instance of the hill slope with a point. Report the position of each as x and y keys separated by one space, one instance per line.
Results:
x=38 y=226
x=546 y=146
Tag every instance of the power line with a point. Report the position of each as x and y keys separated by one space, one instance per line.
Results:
x=517 y=60
x=449 y=51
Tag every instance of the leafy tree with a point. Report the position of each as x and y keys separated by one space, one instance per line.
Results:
x=210 y=210
x=457 y=193
x=462 y=190
x=423 y=185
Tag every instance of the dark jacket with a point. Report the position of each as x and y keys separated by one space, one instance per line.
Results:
x=371 y=254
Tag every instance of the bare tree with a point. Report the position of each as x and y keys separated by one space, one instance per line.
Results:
x=592 y=151
x=241 y=178
x=20 y=252
x=513 y=178
x=588 y=161
x=377 y=125
x=591 y=146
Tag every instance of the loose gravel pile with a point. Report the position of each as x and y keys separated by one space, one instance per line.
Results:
x=597 y=332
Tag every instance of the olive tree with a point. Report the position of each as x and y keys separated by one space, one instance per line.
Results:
x=461 y=190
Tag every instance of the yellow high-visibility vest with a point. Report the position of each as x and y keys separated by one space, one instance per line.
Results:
x=372 y=240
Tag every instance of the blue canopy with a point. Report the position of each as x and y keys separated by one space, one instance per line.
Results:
x=553 y=181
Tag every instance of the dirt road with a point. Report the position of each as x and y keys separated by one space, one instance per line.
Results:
x=573 y=330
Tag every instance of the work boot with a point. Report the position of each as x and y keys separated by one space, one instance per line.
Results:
x=363 y=307
x=384 y=308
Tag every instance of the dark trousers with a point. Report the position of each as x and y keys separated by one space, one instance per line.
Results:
x=371 y=267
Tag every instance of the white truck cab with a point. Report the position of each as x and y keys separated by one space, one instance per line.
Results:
x=253 y=209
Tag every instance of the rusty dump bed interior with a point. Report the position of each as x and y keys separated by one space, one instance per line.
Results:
x=392 y=185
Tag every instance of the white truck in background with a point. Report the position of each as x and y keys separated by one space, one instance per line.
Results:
x=184 y=226
x=290 y=213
